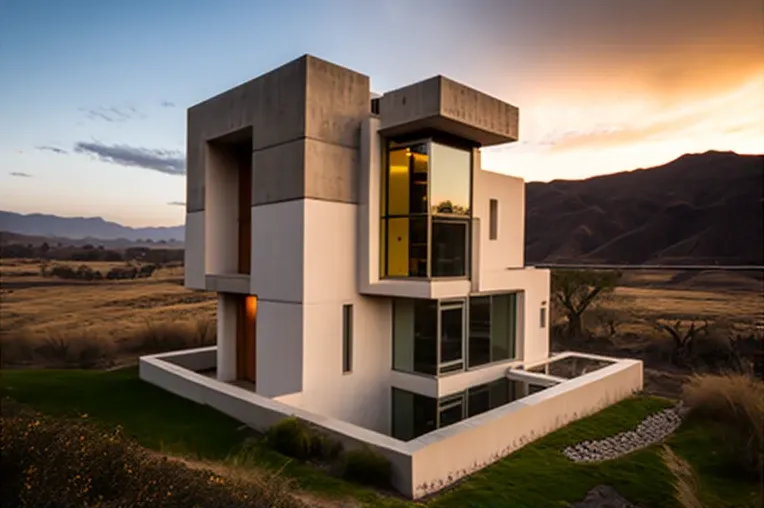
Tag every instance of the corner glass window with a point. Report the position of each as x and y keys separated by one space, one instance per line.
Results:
x=426 y=211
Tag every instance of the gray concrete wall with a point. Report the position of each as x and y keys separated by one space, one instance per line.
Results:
x=445 y=105
x=305 y=118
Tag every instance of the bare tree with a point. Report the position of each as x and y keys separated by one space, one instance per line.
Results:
x=576 y=290
x=683 y=337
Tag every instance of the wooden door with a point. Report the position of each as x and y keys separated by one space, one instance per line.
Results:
x=246 y=344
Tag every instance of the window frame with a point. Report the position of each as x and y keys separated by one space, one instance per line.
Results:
x=542 y=316
x=347 y=338
x=493 y=219
x=385 y=216
x=443 y=369
x=515 y=295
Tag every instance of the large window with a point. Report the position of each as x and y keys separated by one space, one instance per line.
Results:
x=429 y=335
x=492 y=328
x=414 y=415
x=426 y=211
x=415 y=336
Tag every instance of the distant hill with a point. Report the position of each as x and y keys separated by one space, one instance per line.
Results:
x=7 y=238
x=700 y=208
x=37 y=224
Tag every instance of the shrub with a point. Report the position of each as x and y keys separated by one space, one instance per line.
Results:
x=205 y=332
x=90 y=352
x=324 y=447
x=290 y=437
x=66 y=349
x=161 y=337
x=54 y=462
x=120 y=273
x=364 y=465
x=85 y=348
x=737 y=402
x=83 y=272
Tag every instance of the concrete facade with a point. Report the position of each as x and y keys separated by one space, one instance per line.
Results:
x=325 y=325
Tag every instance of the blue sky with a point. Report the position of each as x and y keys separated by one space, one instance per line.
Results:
x=92 y=109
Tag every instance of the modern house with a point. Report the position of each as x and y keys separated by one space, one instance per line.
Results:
x=369 y=271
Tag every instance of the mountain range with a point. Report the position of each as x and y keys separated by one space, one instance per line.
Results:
x=79 y=228
x=700 y=208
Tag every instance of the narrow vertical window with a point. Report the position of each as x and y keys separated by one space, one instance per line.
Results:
x=542 y=317
x=347 y=338
x=493 y=220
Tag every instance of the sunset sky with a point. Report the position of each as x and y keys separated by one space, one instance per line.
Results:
x=94 y=94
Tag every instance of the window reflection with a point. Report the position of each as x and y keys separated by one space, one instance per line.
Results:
x=449 y=248
x=424 y=184
x=414 y=415
x=451 y=337
x=451 y=177
x=415 y=335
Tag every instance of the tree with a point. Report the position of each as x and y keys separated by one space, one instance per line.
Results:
x=576 y=290
x=683 y=338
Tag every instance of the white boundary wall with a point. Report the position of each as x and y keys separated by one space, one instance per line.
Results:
x=431 y=462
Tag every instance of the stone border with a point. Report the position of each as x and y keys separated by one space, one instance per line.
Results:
x=651 y=430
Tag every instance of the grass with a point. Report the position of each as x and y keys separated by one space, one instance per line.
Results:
x=154 y=418
x=166 y=423
x=730 y=407
x=537 y=475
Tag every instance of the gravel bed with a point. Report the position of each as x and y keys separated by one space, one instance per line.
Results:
x=652 y=429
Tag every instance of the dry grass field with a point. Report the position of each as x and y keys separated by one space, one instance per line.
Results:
x=38 y=309
x=117 y=316
x=106 y=308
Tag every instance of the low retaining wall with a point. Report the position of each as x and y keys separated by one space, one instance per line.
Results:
x=261 y=412
x=448 y=454
x=431 y=462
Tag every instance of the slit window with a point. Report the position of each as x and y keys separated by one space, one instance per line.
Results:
x=542 y=317
x=493 y=221
x=347 y=338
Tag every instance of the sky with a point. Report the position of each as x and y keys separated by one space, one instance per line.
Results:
x=94 y=94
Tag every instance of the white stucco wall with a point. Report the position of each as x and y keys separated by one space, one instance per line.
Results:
x=226 y=337
x=278 y=251
x=508 y=249
x=221 y=211
x=361 y=396
x=280 y=354
x=194 y=266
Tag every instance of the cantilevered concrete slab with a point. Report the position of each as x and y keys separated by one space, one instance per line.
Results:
x=444 y=105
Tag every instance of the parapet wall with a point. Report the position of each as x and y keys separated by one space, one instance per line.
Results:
x=431 y=462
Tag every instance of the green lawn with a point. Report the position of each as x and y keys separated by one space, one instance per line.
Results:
x=535 y=476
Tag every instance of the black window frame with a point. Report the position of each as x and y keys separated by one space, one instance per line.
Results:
x=347 y=338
